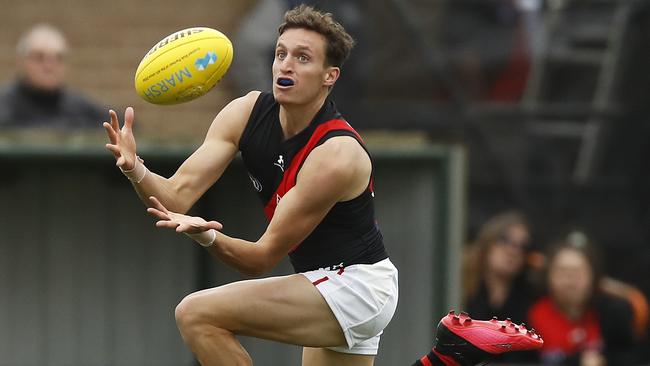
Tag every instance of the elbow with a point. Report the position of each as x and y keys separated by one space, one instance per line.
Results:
x=180 y=197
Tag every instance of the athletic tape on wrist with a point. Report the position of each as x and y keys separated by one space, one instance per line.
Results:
x=138 y=172
x=205 y=238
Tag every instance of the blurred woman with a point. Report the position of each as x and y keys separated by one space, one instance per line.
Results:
x=495 y=269
x=496 y=274
x=580 y=325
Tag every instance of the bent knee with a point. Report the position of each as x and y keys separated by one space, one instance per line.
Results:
x=203 y=308
x=190 y=312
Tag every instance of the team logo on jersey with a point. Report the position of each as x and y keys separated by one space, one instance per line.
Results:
x=280 y=163
x=256 y=183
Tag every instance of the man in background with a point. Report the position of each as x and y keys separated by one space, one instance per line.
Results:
x=38 y=96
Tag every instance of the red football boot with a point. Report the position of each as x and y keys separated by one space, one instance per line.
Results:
x=472 y=342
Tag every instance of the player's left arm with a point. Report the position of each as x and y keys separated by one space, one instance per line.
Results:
x=338 y=170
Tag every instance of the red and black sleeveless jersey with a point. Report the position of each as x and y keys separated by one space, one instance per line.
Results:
x=348 y=234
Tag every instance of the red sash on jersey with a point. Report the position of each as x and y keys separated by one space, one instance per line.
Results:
x=290 y=174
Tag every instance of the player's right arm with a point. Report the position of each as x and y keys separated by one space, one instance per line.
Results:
x=200 y=171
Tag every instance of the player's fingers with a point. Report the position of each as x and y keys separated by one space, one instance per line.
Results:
x=114 y=121
x=129 y=116
x=166 y=224
x=115 y=154
x=120 y=161
x=114 y=149
x=157 y=213
x=107 y=125
x=112 y=135
x=213 y=225
x=156 y=204
x=183 y=227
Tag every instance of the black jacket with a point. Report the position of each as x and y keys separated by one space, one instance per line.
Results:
x=26 y=107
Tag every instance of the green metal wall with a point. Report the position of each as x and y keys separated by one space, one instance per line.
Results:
x=87 y=279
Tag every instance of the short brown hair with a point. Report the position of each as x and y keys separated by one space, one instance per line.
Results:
x=339 y=42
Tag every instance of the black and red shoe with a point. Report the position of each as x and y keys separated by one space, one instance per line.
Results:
x=473 y=342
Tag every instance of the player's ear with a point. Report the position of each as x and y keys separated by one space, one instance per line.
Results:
x=331 y=75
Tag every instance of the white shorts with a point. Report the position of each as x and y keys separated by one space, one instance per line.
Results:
x=363 y=297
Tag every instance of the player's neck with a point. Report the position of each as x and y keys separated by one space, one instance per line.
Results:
x=296 y=117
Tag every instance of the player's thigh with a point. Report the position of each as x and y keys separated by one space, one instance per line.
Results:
x=326 y=357
x=287 y=309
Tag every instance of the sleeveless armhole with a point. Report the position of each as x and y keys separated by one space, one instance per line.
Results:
x=337 y=133
x=257 y=110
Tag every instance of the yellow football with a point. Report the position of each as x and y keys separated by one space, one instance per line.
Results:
x=183 y=66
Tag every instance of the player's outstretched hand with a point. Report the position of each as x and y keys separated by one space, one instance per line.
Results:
x=122 y=141
x=181 y=223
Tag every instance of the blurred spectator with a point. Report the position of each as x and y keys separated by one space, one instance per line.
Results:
x=495 y=273
x=580 y=324
x=38 y=96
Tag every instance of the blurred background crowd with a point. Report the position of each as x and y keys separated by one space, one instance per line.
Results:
x=548 y=97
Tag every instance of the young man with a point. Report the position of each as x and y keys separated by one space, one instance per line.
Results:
x=313 y=174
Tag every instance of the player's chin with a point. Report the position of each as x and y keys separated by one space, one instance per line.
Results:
x=283 y=96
